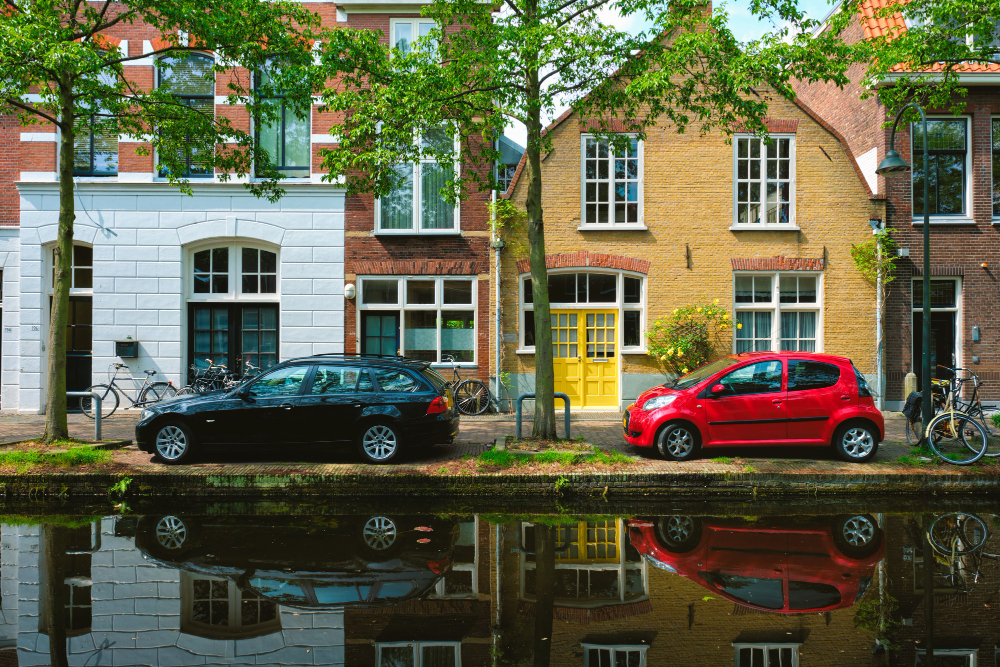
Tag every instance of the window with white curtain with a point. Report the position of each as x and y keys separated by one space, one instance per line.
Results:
x=416 y=204
x=418 y=654
x=766 y=655
x=777 y=311
x=614 y=656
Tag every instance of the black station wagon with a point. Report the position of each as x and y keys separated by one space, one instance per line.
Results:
x=378 y=403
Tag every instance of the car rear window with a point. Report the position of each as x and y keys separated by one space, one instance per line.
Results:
x=395 y=380
x=804 y=375
x=435 y=378
x=811 y=595
x=864 y=390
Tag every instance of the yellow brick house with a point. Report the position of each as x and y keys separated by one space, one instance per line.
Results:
x=683 y=219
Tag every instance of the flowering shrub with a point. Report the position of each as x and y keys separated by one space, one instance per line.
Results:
x=689 y=337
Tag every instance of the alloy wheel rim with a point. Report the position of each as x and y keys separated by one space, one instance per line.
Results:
x=171 y=532
x=379 y=533
x=679 y=442
x=171 y=443
x=379 y=442
x=858 y=531
x=678 y=528
x=858 y=442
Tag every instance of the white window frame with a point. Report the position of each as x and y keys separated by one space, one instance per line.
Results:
x=917 y=283
x=51 y=266
x=234 y=628
x=764 y=646
x=309 y=124
x=235 y=292
x=619 y=303
x=414 y=25
x=994 y=177
x=210 y=178
x=586 y=225
x=402 y=307
x=614 y=648
x=964 y=218
x=439 y=591
x=971 y=653
x=417 y=194
x=792 y=224
x=776 y=307
x=417 y=653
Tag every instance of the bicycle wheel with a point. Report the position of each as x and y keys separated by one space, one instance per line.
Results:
x=109 y=401
x=956 y=438
x=967 y=533
x=156 y=392
x=187 y=390
x=472 y=397
x=914 y=432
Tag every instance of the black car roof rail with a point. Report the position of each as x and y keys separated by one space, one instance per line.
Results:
x=359 y=355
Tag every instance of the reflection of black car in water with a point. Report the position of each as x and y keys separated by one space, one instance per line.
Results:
x=314 y=562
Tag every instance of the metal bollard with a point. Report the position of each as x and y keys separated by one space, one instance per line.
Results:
x=558 y=394
x=97 y=412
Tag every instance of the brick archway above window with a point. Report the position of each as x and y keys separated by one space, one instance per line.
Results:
x=588 y=259
x=439 y=267
x=777 y=263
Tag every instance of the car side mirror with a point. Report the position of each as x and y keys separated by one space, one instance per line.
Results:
x=718 y=388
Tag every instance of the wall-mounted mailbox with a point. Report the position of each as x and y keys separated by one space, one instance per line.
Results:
x=127 y=349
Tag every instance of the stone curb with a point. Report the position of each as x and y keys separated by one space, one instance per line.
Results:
x=718 y=485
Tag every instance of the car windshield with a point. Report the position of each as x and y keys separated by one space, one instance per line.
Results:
x=699 y=374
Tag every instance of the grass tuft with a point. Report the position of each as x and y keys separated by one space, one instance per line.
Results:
x=26 y=459
x=722 y=459
x=507 y=459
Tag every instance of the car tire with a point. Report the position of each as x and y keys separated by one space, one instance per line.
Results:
x=378 y=442
x=379 y=537
x=678 y=442
x=679 y=532
x=168 y=537
x=173 y=442
x=856 y=442
x=857 y=535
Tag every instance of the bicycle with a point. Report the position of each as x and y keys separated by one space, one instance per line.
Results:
x=915 y=427
x=959 y=433
x=148 y=393
x=472 y=397
x=958 y=540
x=213 y=378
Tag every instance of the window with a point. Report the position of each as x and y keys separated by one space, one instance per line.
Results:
x=416 y=205
x=947 y=169
x=285 y=381
x=759 y=592
x=191 y=79
x=583 y=289
x=949 y=657
x=612 y=188
x=405 y=32
x=811 y=595
x=996 y=168
x=233 y=334
x=216 y=608
x=340 y=380
x=81 y=268
x=505 y=174
x=761 y=378
x=766 y=655
x=804 y=375
x=419 y=654
x=215 y=271
x=462 y=580
x=614 y=656
x=95 y=150
x=426 y=317
x=765 y=181
x=286 y=138
x=390 y=380
x=764 y=300
x=946 y=339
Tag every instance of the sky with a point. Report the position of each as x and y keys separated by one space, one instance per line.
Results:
x=744 y=25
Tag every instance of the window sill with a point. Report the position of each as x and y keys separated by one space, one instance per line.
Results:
x=635 y=350
x=524 y=350
x=946 y=220
x=763 y=228
x=410 y=232
x=612 y=228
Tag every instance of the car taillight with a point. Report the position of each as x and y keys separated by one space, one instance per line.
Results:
x=439 y=565
x=437 y=406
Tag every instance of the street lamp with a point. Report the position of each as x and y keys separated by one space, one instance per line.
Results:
x=891 y=166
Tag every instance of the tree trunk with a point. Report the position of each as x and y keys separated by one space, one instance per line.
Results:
x=545 y=583
x=55 y=593
x=545 y=412
x=55 y=368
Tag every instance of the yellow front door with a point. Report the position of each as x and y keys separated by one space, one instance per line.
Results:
x=584 y=357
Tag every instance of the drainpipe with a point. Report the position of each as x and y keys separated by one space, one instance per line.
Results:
x=878 y=330
x=497 y=247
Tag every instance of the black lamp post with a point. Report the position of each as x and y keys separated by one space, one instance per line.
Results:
x=893 y=165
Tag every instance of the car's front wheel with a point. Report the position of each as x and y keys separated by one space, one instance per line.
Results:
x=856 y=442
x=678 y=442
x=173 y=442
x=378 y=442
x=857 y=536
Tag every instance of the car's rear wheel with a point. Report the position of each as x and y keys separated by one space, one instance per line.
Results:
x=173 y=442
x=678 y=442
x=856 y=442
x=679 y=532
x=378 y=442
x=168 y=537
x=857 y=535
x=380 y=537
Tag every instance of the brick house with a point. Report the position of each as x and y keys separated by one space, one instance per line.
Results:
x=965 y=243
x=222 y=274
x=691 y=224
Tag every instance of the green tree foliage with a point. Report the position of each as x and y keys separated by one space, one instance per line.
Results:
x=486 y=65
x=57 y=66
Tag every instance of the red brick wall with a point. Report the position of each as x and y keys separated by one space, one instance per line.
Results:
x=10 y=205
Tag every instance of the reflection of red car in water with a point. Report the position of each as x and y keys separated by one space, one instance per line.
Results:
x=781 y=565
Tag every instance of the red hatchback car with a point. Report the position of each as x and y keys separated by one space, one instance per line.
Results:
x=780 y=564
x=760 y=398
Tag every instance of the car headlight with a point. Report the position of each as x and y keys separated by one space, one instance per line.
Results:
x=146 y=414
x=659 y=402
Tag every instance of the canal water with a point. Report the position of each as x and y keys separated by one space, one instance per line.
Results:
x=745 y=585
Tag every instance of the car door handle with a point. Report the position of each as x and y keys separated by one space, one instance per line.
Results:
x=286 y=406
x=357 y=405
x=845 y=398
x=776 y=401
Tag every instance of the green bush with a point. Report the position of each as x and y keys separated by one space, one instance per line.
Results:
x=689 y=337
